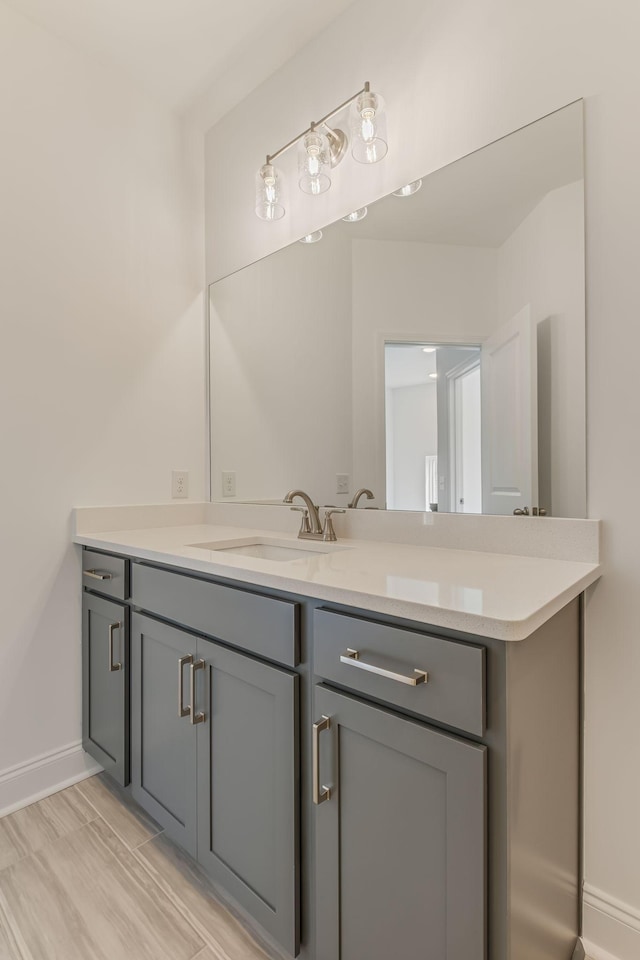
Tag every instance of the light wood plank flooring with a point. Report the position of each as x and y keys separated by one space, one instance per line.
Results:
x=86 y=875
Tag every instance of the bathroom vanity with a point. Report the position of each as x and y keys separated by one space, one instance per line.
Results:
x=358 y=782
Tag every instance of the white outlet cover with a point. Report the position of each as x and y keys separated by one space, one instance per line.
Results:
x=342 y=483
x=179 y=484
x=228 y=483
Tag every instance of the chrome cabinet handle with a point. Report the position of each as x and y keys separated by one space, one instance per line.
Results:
x=112 y=628
x=182 y=710
x=352 y=658
x=319 y=797
x=97 y=575
x=195 y=717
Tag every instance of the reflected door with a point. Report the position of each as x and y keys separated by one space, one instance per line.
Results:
x=509 y=417
x=467 y=448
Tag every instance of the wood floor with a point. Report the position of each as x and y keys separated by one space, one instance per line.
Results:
x=86 y=875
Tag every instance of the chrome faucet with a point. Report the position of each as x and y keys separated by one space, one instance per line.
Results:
x=311 y=528
x=362 y=492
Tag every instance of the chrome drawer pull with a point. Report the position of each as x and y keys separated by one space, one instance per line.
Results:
x=195 y=717
x=318 y=797
x=352 y=658
x=97 y=575
x=182 y=710
x=113 y=666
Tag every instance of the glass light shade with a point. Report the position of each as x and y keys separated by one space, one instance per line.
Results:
x=312 y=237
x=369 y=129
x=408 y=190
x=314 y=163
x=356 y=215
x=268 y=193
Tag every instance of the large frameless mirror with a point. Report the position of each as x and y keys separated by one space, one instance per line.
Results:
x=430 y=353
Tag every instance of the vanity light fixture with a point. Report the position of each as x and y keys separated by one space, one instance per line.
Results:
x=268 y=203
x=369 y=128
x=408 y=190
x=356 y=215
x=322 y=147
x=312 y=237
x=315 y=162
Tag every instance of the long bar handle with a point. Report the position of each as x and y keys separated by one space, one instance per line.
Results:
x=195 y=717
x=182 y=710
x=318 y=796
x=112 y=629
x=97 y=575
x=352 y=658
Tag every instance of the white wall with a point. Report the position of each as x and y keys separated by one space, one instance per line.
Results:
x=101 y=362
x=542 y=264
x=457 y=76
x=411 y=291
x=281 y=354
x=414 y=422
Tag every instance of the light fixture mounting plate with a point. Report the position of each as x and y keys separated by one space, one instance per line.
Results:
x=338 y=144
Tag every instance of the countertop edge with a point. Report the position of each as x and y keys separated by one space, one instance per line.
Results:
x=474 y=624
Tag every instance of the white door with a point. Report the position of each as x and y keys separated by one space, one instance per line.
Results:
x=510 y=417
x=467 y=447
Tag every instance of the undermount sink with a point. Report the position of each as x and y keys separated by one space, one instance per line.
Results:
x=265 y=550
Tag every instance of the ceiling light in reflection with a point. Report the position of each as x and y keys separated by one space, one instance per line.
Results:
x=312 y=237
x=356 y=215
x=409 y=189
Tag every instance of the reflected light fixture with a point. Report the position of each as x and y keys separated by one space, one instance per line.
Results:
x=312 y=237
x=428 y=349
x=356 y=215
x=322 y=147
x=408 y=190
x=434 y=376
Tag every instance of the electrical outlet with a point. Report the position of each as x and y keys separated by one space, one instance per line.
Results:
x=228 y=483
x=179 y=484
x=342 y=483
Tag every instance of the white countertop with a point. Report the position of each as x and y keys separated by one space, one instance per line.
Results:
x=487 y=594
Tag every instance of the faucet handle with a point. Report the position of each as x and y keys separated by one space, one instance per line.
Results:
x=305 y=526
x=328 y=533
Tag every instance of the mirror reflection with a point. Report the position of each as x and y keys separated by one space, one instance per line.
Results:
x=430 y=353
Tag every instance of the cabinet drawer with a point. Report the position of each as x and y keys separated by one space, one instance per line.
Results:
x=387 y=665
x=105 y=574
x=262 y=625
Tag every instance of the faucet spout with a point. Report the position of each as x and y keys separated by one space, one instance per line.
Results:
x=362 y=492
x=314 y=517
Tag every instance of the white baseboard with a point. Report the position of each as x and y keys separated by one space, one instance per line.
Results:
x=611 y=928
x=37 y=778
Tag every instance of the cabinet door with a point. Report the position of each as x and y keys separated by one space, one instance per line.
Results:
x=248 y=786
x=105 y=684
x=400 y=839
x=163 y=738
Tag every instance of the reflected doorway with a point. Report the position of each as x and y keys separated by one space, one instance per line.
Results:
x=432 y=427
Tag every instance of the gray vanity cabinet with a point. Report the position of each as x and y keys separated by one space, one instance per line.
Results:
x=444 y=768
x=105 y=684
x=248 y=787
x=215 y=762
x=163 y=739
x=400 y=836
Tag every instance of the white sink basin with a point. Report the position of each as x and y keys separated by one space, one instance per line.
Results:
x=265 y=550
